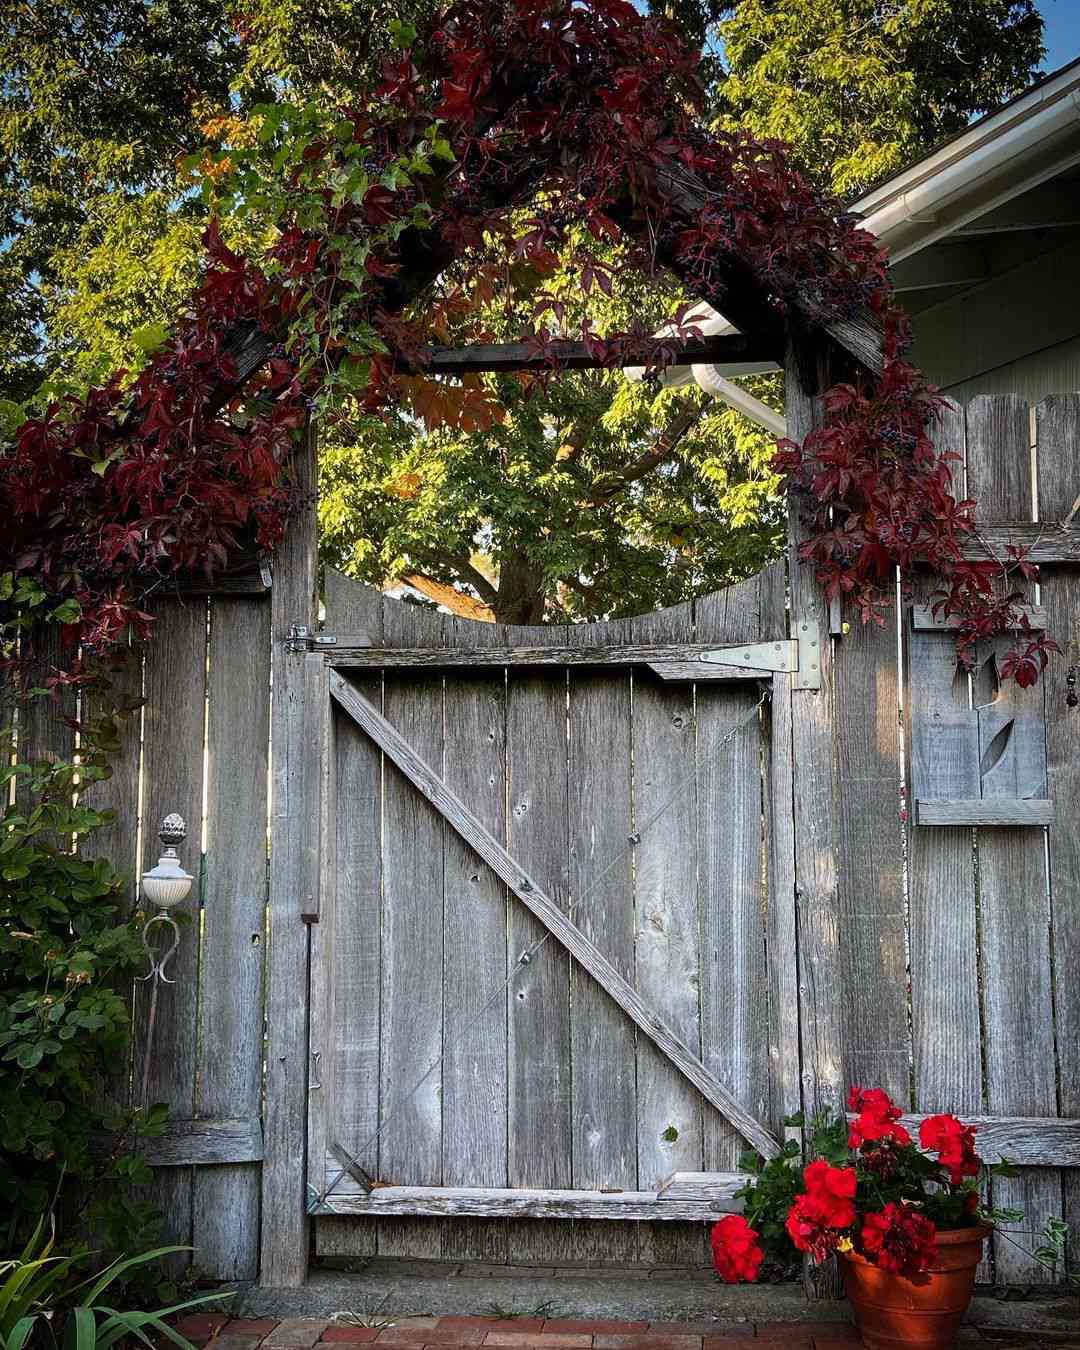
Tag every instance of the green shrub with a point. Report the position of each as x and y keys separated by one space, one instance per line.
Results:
x=68 y=950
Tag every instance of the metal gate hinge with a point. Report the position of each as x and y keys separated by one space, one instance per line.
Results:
x=799 y=656
x=302 y=639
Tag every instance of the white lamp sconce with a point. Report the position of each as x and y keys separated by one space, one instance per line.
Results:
x=164 y=886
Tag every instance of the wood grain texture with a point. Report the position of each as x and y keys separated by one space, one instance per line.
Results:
x=353 y=959
x=542 y=906
x=410 y=1146
x=1029 y=1141
x=226 y=1201
x=873 y=949
x=569 y=355
x=1015 y=915
x=285 y=1237
x=1057 y=422
x=217 y=1144
x=474 y=1088
x=947 y=1053
x=705 y=1186
x=533 y=1204
x=785 y=1086
x=926 y=616
x=1048 y=540
x=993 y=811
x=173 y=726
x=604 y=1090
x=588 y=650
x=731 y=867
x=538 y=998
x=668 y=942
x=815 y=817
x=816 y=827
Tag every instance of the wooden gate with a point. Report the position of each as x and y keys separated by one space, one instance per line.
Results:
x=539 y=967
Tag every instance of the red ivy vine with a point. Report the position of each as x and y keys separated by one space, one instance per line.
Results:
x=569 y=114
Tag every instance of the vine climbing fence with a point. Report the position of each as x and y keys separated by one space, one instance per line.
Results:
x=552 y=921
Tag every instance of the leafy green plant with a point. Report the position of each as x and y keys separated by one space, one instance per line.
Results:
x=39 y=1304
x=68 y=947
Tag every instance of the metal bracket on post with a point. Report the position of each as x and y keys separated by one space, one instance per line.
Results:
x=799 y=656
x=808 y=637
x=302 y=639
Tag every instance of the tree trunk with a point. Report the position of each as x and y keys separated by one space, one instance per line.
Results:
x=521 y=592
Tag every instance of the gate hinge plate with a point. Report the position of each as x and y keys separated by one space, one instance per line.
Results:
x=799 y=656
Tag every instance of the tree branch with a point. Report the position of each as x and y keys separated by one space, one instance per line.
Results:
x=464 y=606
x=463 y=566
x=611 y=484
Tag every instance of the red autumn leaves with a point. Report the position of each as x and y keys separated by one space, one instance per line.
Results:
x=849 y=1207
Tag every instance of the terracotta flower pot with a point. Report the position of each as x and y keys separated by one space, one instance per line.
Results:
x=894 y=1312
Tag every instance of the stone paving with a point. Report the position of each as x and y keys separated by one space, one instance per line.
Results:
x=217 y=1331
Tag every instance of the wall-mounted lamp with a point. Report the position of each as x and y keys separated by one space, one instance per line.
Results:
x=164 y=886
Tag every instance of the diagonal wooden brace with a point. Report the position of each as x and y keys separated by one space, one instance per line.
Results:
x=457 y=814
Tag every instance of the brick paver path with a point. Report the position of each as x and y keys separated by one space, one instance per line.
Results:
x=218 y=1332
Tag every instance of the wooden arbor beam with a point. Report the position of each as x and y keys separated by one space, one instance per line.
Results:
x=509 y=356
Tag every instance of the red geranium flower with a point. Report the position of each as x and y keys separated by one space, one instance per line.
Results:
x=736 y=1254
x=876 y=1121
x=815 y=1220
x=954 y=1143
x=899 y=1239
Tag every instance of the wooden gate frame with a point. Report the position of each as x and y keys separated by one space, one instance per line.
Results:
x=697 y=1195
x=803 y=913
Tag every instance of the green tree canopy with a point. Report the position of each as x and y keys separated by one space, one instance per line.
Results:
x=859 y=88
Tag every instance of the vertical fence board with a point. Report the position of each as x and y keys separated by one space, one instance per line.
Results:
x=785 y=1085
x=474 y=964
x=1057 y=438
x=667 y=956
x=226 y=1201
x=1015 y=931
x=351 y=1058
x=822 y=993
x=944 y=939
x=173 y=766
x=410 y=1146
x=872 y=919
x=601 y=888
x=538 y=999
x=734 y=1002
x=815 y=812
x=285 y=1233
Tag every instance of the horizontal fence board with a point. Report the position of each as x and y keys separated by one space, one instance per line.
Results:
x=1029 y=1141
x=474 y=1202
x=345 y=654
x=990 y=811
x=702 y=1186
x=929 y=616
x=200 y=1143
x=1046 y=542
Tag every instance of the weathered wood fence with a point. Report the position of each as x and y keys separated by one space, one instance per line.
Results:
x=788 y=921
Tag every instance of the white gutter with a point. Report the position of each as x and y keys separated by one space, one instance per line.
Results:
x=1003 y=155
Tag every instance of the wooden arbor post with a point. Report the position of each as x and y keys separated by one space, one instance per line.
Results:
x=284 y=1241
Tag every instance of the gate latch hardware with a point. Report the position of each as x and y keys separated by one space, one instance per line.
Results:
x=302 y=639
x=799 y=656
